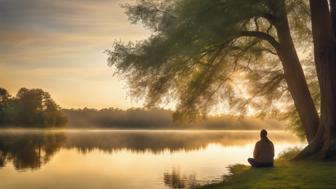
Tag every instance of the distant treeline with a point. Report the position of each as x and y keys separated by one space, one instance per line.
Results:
x=29 y=108
x=156 y=119
x=35 y=108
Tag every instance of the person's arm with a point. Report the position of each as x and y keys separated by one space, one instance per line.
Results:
x=256 y=151
x=272 y=149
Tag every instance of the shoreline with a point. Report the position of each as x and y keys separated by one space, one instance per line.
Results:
x=136 y=130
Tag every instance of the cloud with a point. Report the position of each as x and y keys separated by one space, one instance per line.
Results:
x=58 y=45
x=58 y=14
x=34 y=28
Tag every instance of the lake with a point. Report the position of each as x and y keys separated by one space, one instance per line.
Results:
x=116 y=159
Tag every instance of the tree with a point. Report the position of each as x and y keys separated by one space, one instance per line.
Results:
x=323 y=31
x=4 y=97
x=244 y=54
x=37 y=108
x=30 y=107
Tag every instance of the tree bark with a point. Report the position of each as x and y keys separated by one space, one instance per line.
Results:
x=295 y=78
x=333 y=14
x=323 y=145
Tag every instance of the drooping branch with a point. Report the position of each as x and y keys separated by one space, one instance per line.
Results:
x=269 y=51
x=262 y=36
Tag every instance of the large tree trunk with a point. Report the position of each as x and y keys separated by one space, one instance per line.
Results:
x=324 y=144
x=295 y=78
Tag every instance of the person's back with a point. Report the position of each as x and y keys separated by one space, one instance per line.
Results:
x=263 y=152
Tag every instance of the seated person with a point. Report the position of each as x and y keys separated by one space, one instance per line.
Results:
x=263 y=153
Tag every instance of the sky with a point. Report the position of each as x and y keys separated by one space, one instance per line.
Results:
x=58 y=46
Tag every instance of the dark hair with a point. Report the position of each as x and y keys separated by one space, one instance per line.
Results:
x=263 y=133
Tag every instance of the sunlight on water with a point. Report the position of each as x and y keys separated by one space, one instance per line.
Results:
x=124 y=159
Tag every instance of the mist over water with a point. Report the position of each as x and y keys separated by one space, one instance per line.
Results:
x=124 y=159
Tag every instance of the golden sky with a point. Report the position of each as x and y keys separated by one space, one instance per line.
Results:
x=59 y=46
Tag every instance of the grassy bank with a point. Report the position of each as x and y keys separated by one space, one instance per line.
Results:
x=285 y=174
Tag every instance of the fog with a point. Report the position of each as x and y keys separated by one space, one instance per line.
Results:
x=158 y=119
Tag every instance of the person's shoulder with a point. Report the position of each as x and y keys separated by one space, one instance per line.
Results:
x=265 y=141
x=269 y=141
x=259 y=142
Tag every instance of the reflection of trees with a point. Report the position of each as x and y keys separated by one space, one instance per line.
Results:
x=33 y=149
x=157 y=142
x=28 y=150
x=176 y=180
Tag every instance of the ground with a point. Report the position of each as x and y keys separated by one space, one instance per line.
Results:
x=285 y=175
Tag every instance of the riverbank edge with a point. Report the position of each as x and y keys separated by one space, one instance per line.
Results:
x=285 y=175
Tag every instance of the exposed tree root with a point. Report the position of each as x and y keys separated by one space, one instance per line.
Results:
x=322 y=147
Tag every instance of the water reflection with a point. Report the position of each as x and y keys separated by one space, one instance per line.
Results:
x=28 y=150
x=31 y=150
x=158 y=142
x=176 y=180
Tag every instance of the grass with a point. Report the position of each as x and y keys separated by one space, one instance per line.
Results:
x=286 y=174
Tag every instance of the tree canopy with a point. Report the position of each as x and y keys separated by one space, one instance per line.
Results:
x=269 y=57
x=30 y=108
x=205 y=53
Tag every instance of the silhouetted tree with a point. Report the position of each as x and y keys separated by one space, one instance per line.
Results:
x=30 y=107
x=4 y=97
x=202 y=52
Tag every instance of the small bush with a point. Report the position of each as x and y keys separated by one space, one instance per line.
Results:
x=288 y=154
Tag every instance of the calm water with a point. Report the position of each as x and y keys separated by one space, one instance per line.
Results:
x=124 y=159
